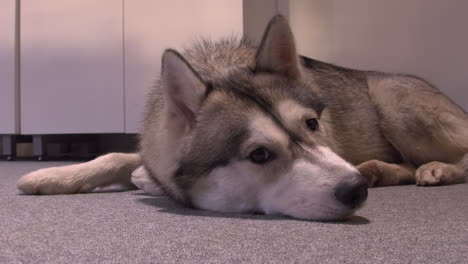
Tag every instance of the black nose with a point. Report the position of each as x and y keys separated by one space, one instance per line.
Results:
x=352 y=195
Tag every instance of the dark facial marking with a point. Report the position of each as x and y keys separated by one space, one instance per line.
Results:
x=210 y=149
x=244 y=91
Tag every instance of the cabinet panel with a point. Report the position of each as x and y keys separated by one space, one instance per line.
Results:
x=72 y=66
x=8 y=121
x=153 y=26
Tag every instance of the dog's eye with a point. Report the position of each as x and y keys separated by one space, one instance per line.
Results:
x=260 y=155
x=312 y=124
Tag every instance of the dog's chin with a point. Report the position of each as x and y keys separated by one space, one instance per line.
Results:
x=329 y=214
x=340 y=215
x=328 y=217
x=325 y=214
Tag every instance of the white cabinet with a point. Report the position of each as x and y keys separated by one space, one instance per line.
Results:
x=8 y=100
x=86 y=66
x=72 y=66
x=153 y=26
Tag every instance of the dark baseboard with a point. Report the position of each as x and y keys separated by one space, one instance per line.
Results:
x=65 y=146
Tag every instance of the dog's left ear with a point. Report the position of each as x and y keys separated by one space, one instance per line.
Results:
x=277 y=51
x=183 y=88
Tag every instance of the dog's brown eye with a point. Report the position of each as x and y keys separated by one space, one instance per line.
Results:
x=312 y=124
x=260 y=155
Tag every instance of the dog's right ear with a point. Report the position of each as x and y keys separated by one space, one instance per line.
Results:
x=277 y=51
x=183 y=88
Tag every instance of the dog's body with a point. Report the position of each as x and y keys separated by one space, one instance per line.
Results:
x=234 y=128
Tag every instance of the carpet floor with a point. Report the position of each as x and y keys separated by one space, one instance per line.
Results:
x=402 y=224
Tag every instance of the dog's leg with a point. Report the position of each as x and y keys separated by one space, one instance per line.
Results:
x=380 y=173
x=440 y=173
x=427 y=128
x=114 y=168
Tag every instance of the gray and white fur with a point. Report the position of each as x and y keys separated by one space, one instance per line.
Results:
x=232 y=127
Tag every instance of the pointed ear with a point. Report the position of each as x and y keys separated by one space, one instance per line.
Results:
x=183 y=89
x=277 y=51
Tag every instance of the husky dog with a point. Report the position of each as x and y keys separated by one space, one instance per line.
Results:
x=234 y=128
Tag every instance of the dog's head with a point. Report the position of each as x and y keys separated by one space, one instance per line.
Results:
x=255 y=140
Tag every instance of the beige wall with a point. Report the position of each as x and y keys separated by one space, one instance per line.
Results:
x=312 y=23
x=423 y=37
x=256 y=15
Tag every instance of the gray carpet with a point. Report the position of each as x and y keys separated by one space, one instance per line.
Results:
x=404 y=224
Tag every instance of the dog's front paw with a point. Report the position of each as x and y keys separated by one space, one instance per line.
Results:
x=53 y=180
x=142 y=179
x=437 y=173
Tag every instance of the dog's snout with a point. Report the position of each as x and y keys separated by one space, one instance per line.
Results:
x=352 y=194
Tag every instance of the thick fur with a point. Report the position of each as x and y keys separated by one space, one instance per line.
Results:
x=219 y=101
